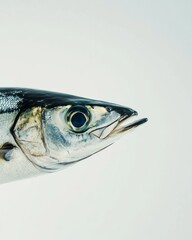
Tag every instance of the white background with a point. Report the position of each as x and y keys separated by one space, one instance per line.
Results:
x=135 y=53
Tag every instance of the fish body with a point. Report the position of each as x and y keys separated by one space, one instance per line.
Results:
x=42 y=131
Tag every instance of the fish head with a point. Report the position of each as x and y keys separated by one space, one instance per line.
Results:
x=55 y=136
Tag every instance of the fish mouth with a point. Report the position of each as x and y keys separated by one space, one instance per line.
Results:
x=125 y=124
x=122 y=125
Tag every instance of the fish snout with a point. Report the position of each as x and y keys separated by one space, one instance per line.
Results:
x=124 y=122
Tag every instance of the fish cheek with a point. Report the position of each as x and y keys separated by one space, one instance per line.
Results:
x=54 y=138
x=28 y=132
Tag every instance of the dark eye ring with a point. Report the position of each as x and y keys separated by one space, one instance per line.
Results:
x=78 y=118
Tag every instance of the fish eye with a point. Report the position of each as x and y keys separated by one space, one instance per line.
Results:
x=78 y=118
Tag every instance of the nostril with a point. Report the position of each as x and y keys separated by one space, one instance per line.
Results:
x=109 y=109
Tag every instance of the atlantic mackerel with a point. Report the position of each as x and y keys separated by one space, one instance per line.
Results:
x=42 y=131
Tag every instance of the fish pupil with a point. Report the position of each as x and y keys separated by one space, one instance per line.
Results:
x=78 y=119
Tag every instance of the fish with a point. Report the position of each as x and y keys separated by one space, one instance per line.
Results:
x=44 y=131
